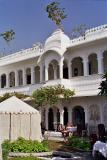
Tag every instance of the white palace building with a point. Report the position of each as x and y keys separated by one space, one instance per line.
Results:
x=78 y=64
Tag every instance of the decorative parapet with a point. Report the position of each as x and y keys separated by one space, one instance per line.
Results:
x=91 y=35
x=96 y=29
x=35 y=51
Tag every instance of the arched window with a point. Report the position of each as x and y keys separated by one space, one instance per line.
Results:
x=105 y=61
x=65 y=70
x=77 y=67
x=3 y=80
x=20 y=77
x=28 y=76
x=93 y=64
x=53 y=70
x=12 y=79
x=37 y=74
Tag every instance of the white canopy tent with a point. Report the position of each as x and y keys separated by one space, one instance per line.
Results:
x=18 y=119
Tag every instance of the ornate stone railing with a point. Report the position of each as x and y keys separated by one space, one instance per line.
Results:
x=90 y=35
x=83 y=86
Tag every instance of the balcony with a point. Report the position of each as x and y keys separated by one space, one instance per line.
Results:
x=83 y=85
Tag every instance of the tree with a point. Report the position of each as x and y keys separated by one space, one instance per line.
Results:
x=8 y=35
x=55 y=13
x=103 y=86
x=79 y=31
x=51 y=95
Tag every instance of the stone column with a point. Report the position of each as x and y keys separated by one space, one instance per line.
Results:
x=85 y=66
x=46 y=72
x=70 y=115
x=0 y=81
x=16 y=78
x=32 y=75
x=101 y=114
x=61 y=116
x=24 y=76
x=61 y=68
x=69 y=69
x=46 y=118
x=7 y=80
x=86 y=115
x=41 y=72
x=55 y=71
x=100 y=63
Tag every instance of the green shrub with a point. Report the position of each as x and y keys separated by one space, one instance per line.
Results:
x=5 y=149
x=79 y=143
x=22 y=145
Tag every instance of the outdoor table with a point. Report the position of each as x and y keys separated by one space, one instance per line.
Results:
x=100 y=147
x=72 y=129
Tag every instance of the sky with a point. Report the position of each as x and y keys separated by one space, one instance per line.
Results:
x=31 y=24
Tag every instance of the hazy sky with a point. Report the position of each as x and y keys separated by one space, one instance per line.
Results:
x=29 y=19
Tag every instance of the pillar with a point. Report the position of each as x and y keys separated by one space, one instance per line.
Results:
x=69 y=69
x=100 y=63
x=0 y=81
x=24 y=76
x=46 y=72
x=41 y=72
x=61 y=68
x=70 y=115
x=61 y=116
x=16 y=78
x=32 y=75
x=101 y=114
x=7 y=80
x=46 y=118
x=86 y=115
x=85 y=66
x=55 y=72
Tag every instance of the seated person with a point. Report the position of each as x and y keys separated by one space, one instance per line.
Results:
x=62 y=129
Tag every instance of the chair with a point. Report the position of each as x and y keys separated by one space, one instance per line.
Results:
x=79 y=129
x=101 y=132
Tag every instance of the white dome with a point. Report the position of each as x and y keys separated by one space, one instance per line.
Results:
x=57 y=41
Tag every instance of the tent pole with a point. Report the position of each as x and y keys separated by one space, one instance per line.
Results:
x=30 y=128
x=10 y=128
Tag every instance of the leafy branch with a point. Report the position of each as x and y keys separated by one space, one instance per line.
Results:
x=8 y=35
x=55 y=13
x=103 y=86
x=51 y=95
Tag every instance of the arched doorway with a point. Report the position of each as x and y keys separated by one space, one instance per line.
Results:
x=50 y=119
x=65 y=116
x=78 y=115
